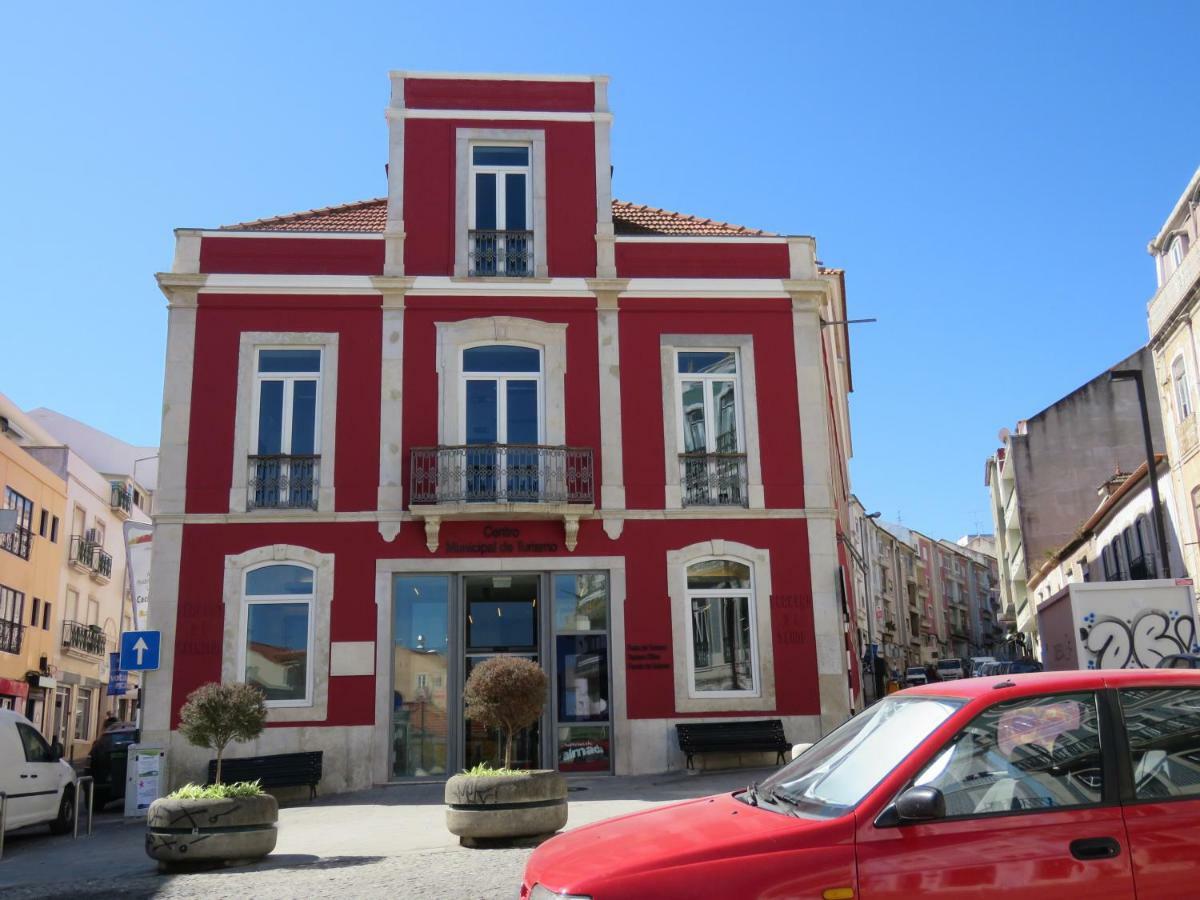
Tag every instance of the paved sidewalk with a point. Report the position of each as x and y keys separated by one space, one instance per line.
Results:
x=385 y=842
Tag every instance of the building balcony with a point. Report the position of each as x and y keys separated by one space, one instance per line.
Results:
x=501 y=481
x=102 y=566
x=500 y=253
x=82 y=552
x=713 y=479
x=10 y=636
x=278 y=481
x=1178 y=286
x=121 y=500
x=18 y=541
x=84 y=640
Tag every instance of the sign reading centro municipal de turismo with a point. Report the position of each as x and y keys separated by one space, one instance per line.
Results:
x=118 y=678
x=139 y=650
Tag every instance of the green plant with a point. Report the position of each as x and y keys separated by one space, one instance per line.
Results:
x=505 y=692
x=483 y=769
x=236 y=791
x=216 y=714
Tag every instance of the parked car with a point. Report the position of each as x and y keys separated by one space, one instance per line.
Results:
x=1180 y=661
x=950 y=669
x=915 y=675
x=1023 y=666
x=977 y=664
x=991 y=668
x=991 y=788
x=106 y=762
x=40 y=787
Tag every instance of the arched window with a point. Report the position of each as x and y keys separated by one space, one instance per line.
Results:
x=723 y=657
x=277 y=633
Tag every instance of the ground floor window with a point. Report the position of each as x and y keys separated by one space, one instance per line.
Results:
x=445 y=625
x=722 y=629
x=83 y=713
x=278 y=636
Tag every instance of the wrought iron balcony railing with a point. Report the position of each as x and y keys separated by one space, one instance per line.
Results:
x=713 y=479
x=121 y=498
x=501 y=473
x=83 y=551
x=17 y=541
x=101 y=565
x=502 y=253
x=84 y=638
x=10 y=636
x=283 y=482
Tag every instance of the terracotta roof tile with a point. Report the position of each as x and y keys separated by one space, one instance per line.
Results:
x=370 y=216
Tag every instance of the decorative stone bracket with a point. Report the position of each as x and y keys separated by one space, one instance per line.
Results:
x=433 y=516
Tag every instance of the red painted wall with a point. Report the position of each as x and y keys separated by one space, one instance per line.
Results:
x=429 y=194
x=644 y=544
x=540 y=96
x=291 y=256
x=220 y=320
x=702 y=260
x=642 y=322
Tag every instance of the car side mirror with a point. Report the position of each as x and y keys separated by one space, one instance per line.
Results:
x=921 y=804
x=797 y=749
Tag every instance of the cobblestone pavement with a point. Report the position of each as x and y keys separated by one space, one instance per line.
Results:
x=385 y=842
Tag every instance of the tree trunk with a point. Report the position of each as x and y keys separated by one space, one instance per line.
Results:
x=218 y=778
x=508 y=734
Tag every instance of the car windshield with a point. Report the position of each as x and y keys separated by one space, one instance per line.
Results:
x=835 y=774
x=949 y=664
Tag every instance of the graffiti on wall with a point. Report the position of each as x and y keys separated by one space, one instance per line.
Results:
x=1137 y=643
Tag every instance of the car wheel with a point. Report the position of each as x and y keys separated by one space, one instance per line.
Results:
x=65 y=820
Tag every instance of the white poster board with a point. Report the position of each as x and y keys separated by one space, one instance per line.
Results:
x=145 y=775
x=138 y=542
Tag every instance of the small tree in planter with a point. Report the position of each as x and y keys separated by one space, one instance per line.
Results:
x=508 y=693
x=217 y=714
x=482 y=806
x=227 y=823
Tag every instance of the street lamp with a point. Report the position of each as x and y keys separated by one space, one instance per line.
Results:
x=1135 y=375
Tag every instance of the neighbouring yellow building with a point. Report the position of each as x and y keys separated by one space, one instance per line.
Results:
x=30 y=577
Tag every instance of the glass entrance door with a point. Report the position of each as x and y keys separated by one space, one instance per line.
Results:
x=421 y=681
x=501 y=619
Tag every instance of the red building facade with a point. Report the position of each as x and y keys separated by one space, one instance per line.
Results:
x=498 y=412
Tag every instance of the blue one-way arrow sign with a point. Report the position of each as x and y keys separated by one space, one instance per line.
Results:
x=139 y=650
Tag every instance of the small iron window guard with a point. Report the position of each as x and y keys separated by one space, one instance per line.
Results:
x=713 y=479
x=501 y=253
x=279 y=481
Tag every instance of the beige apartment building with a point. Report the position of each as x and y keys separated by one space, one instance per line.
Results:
x=30 y=573
x=1173 y=313
x=88 y=592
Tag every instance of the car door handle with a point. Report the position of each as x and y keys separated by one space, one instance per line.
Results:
x=1095 y=848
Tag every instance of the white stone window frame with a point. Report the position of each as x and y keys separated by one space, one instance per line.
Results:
x=686 y=699
x=315 y=708
x=464 y=139
x=246 y=419
x=1181 y=387
x=501 y=379
x=550 y=338
x=670 y=345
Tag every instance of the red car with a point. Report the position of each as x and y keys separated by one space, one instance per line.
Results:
x=1060 y=785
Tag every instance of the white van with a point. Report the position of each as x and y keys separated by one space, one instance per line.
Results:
x=40 y=787
x=950 y=669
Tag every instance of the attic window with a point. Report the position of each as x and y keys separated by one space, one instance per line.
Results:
x=500 y=235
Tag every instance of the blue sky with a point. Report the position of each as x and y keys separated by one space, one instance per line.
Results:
x=987 y=174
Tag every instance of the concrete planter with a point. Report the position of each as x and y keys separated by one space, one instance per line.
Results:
x=487 y=808
x=227 y=831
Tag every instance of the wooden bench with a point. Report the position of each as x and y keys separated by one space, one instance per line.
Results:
x=761 y=735
x=279 y=770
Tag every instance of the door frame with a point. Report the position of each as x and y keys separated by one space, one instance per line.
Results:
x=386 y=570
